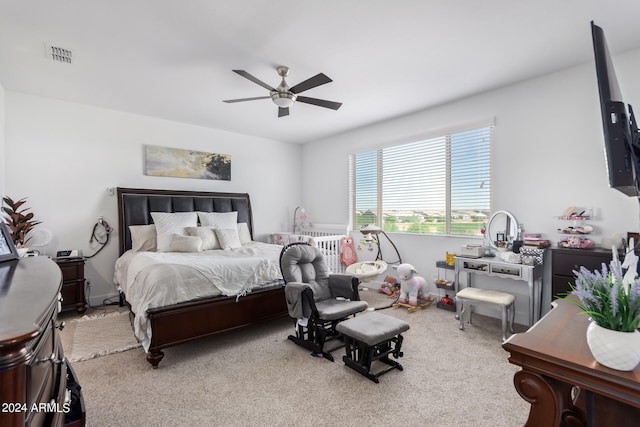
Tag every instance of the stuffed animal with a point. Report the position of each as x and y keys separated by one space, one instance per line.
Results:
x=389 y=287
x=411 y=285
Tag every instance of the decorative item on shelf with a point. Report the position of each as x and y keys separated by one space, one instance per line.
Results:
x=612 y=301
x=573 y=213
x=444 y=283
x=535 y=241
x=587 y=229
x=450 y=259
x=577 y=217
x=532 y=255
x=470 y=251
x=576 y=242
x=447 y=300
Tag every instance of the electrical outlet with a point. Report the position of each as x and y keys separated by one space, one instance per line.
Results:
x=88 y=282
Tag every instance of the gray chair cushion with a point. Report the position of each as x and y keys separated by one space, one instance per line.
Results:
x=334 y=309
x=306 y=264
x=372 y=328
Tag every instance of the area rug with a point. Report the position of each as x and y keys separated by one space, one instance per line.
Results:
x=99 y=335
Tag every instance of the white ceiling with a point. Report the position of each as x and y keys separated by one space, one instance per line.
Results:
x=173 y=59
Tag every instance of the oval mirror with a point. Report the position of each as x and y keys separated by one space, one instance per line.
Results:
x=502 y=229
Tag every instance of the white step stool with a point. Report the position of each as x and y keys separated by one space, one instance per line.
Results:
x=470 y=296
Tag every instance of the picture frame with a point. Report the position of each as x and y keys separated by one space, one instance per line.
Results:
x=8 y=250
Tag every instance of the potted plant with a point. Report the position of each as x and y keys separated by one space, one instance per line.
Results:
x=19 y=220
x=613 y=304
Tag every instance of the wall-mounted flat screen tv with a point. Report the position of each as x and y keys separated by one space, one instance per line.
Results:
x=620 y=132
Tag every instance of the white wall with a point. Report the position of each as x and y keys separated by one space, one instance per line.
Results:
x=547 y=156
x=547 y=153
x=63 y=157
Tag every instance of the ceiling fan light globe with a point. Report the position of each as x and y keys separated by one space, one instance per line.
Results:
x=283 y=99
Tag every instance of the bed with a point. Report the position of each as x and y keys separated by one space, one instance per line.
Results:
x=206 y=314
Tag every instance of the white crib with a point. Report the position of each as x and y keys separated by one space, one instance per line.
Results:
x=326 y=237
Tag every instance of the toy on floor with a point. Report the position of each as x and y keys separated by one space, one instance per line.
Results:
x=411 y=289
x=390 y=287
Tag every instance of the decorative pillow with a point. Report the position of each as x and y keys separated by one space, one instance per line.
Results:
x=243 y=233
x=143 y=238
x=228 y=238
x=180 y=243
x=218 y=219
x=170 y=223
x=208 y=236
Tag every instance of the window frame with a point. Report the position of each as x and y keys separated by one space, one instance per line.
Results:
x=488 y=126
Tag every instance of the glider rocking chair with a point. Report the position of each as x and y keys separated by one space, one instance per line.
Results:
x=316 y=299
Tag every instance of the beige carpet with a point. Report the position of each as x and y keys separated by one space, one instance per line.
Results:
x=98 y=335
x=257 y=377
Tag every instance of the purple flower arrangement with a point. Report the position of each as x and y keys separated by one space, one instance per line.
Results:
x=610 y=302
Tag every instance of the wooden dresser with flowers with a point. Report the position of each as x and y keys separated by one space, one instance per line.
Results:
x=561 y=380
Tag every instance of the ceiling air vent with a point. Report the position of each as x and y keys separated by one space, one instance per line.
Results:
x=59 y=54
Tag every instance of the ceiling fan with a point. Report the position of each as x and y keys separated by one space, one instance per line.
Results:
x=284 y=96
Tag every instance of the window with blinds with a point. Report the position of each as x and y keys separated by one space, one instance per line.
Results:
x=440 y=185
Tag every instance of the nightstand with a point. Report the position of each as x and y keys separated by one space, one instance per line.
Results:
x=72 y=283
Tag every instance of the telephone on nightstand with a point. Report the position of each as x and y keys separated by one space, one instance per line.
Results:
x=99 y=234
x=74 y=253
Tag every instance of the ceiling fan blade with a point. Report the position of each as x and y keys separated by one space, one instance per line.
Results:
x=283 y=111
x=319 y=102
x=229 y=101
x=310 y=83
x=248 y=76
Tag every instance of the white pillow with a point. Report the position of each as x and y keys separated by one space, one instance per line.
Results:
x=218 y=219
x=170 y=223
x=143 y=237
x=208 y=236
x=180 y=243
x=228 y=238
x=243 y=233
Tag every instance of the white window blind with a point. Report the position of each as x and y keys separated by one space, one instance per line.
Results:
x=440 y=185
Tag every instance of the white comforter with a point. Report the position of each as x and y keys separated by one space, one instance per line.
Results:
x=158 y=279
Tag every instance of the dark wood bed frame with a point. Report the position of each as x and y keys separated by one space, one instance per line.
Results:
x=188 y=321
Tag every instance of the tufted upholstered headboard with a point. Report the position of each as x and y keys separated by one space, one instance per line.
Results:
x=135 y=206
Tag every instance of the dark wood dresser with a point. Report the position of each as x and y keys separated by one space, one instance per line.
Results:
x=72 y=283
x=37 y=385
x=562 y=381
x=565 y=260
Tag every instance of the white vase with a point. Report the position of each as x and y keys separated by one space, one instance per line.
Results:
x=614 y=349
